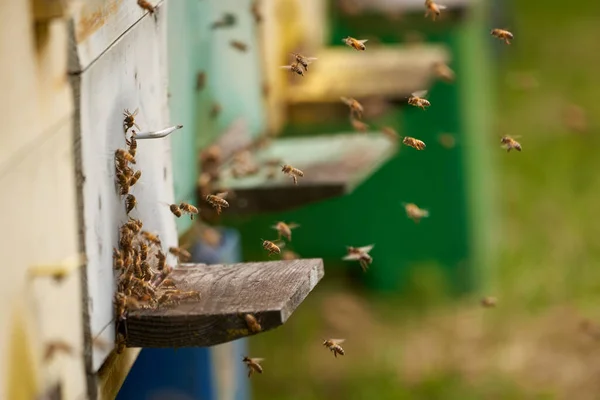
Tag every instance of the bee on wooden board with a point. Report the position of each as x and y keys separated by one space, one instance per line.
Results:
x=132 y=143
x=358 y=126
x=502 y=34
x=271 y=247
x=181 y=254
x=226 y=21
x=146 y=5
x=433 y=9
x=443 y=71
x=417 y=99
x=356 y=44
x=162 y=260
x=302 y=60
x=489 y=302
x=355 y=107
x=414 y=143
x=294 y=67
x=215 y=110
x=293 y=172
x=123 y=156
x=255 y=10
x=334 y=346
x=285 y=230
x=252 y=323
x=129 y=119
x=509 y=143
x=200 y=80
x=238 y=45
x=414 y=212
x=151 y=237
x=217 y=201
x=130 y=203
x=360 y=254
x=253 y=365
x=136 y=177
x=189 y=209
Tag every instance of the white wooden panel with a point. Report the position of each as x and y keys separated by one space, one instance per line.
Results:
x=130 y=74
x=99 y=23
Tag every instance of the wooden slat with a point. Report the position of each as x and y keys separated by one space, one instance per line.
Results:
x=390 y=71
x=271 y=291
x=333 y=165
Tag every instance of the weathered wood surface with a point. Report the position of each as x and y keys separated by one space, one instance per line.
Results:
x=391 y=71
x=333 y=165
x=271 y=291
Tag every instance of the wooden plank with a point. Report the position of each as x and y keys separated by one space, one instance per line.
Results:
x=333 y=165
x=271 y=291
x=97 y=24
x=131 y=74
x=391 y=71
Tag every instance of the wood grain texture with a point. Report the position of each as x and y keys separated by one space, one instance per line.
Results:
x=271 y=291
x=391 y=71
x=333 y=165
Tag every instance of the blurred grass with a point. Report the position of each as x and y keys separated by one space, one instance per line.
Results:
x=547 y=279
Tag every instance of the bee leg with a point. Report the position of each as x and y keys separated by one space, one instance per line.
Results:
x=192 y=217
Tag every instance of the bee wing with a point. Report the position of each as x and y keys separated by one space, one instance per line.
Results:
x=338 y=341
x=363 y=41
x=366 y=249
x=279 y=243
x=351 y=257
x=345 y=100
x=221 y=195
x=442 y=7
x=286 y=67
x=419 y=93
x=310 y=59
x=257 y=360
x=293 y=225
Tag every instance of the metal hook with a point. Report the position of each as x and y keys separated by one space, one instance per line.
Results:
x=158 y=134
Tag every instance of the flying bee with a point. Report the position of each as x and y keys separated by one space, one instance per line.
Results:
x=360 y=254
x=334 y=346
x=355 y=107
x=417 y=99
x=217 y=201
x=130 y=203
x=509 y=143
x=136 y=176
x=489 y=302
x=175 y=210
x=271 y=247
x=289 y=255
x=433 y=9
x=129 y=120
x=304 y=61
x=226 y=21
x=390 y=133
x=124 y=155
x=253 y=365
x=284 y=229
x=151 y=237
x=181 y=254
x=414 y=143
x=356 y=44
x=414 y=212
x=255 y=10
x=252 y=323
x=294 y=67
x=132 y=143
x=56 y=347
x=146 y=5
x=442 y=71
x=293 y=172
x=502 y=34
x=188 y=208
x=358 y=126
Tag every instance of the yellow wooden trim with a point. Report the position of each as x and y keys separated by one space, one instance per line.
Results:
x=113 y=372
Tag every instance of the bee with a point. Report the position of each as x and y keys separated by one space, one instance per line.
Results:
x=294 y=67
x=502 y=34
x=271 y=247
x=215 y=110
x=433 y=9
x=211 y=236
x=447 y=140
x=417 y=99
x=334 y=346
x=123 y=156
x=136 y=176
x=442 y=71
x=255 y=10
x=132 y=143
x=129 y=120
x=361 y=254
x=355 y=107
x=56 y=347
x=188 y=208
x=358 y=126
x=253 y=365
x=489 y=302
x=175 y=210
x=414 y=212
x=284 y=229
x=119 y=262
x=121 y=343
x=355 y=43
x=135 y=225
x=293 y=172
x=130 y=203
x=509 y=143
x=226 y=21
x=146 y=5
x=217 y=201
x=390 y=133
x=123 y=182
x=200 y=80
x=414 y=143
x=304 y=61
x=241 y=46
x=150 y=237
x=181 y=254
x=252 y=323
x=162 y=260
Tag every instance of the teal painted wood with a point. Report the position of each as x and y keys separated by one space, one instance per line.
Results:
x=232 y=80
